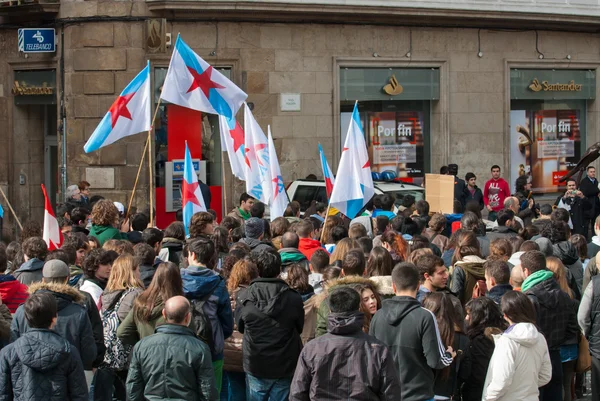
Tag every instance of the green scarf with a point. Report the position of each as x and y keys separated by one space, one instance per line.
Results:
x=245 y=215
x=536 y=278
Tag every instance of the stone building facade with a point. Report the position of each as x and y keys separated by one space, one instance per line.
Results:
x=291 y=47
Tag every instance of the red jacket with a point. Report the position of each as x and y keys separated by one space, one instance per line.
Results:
x=13 y=293
x=308 y=246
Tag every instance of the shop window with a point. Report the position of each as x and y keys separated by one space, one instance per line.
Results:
x=395 y=109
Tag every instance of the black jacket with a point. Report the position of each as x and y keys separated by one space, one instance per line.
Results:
x=591 y=191
x=476 y=196
x=556 y=316
x=189 y=374
x=72 y=323
x=256 y=245
x=459 y=190
x=345 y=364
x=172 y=250
x=271 y=316
x=410 y=332
x=481 y=348
x=496 y=293
x=577 y=209
x=41 y=365
x=568 y=255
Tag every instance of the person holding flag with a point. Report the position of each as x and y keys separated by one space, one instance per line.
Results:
x=354 y=186
x=192 y=201
x=279 y=199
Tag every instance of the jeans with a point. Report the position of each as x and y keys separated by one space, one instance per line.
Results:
x=258 y=389
x=492 y=216
x=234 y=386
x=553 y=391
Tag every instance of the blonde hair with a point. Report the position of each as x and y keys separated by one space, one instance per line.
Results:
x=342 y=248
x=560 y=273
x=122 y=275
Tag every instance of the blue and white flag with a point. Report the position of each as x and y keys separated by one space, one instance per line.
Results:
x=192 y=201
x=279 y=198
x=128 y=115
x=353 y=183
x=258 y=173
x=193 y=83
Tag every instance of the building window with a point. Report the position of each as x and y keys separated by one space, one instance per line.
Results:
x=548 y=124
x=395 y=109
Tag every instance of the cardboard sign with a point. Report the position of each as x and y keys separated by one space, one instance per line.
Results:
x=439 y=192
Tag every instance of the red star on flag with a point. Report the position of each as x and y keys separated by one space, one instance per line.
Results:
x=367 y=164
x=119 y=109
x=238 y=137
x=203 y=81
x=188 y=193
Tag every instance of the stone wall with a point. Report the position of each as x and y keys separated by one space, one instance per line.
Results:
x=469 y=124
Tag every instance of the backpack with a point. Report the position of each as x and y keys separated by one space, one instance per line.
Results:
x=203 y=326
x=479 y=290
x=117 y=354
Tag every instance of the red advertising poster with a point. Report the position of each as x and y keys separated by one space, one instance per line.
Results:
x=396 y=144
x=544 y=144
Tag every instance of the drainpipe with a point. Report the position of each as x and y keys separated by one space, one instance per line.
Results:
x=63 y=115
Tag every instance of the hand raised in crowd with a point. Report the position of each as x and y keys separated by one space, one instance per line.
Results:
x=125 y=226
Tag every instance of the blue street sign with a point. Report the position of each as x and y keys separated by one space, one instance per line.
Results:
x=37 y=40
x=178 y=166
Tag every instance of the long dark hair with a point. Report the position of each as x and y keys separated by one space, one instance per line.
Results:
x=467 y=244
x=483 y=313
x=165 y=284
x=518 y=307
x=441 y=306
x=380 y=262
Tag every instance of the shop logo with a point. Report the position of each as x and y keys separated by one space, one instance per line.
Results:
x=537 y=86
x=23 y=89
x=394 y=87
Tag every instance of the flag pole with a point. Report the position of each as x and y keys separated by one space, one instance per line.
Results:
x=325 y=222
x=11 y=209
x=151 y=166
x=137 y=177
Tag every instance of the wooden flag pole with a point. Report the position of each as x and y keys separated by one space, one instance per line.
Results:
x=137 y=177
x=325 y=222
x=11 y=209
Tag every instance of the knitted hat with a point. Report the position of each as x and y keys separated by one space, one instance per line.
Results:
x=254 y=227
x=55 y=269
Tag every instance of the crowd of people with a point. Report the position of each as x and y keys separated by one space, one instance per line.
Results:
x=399 y=303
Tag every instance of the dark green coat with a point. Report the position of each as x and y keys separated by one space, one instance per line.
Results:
x=171 y=364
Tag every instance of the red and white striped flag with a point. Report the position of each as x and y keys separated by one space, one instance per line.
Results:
x=52 y=234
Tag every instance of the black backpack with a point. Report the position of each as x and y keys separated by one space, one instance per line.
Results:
x=202 y=324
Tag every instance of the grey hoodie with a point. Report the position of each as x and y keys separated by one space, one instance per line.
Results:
x=30 y=271
x=412 y=335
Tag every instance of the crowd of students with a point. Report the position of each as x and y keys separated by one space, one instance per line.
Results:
x=394 y=304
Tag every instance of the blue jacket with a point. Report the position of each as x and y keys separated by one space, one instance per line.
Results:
x=496 y=293
x=381 y=212
x=199 y=281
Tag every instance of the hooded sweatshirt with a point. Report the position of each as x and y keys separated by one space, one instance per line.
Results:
x=104 y=233
x=412 y=335
x=270 y=315
x=290 y=256
x=345 y=364
x=12 y=292
x=520 y=365
x=41 y=365
x=308 y=246
x=30 y=271
x=199 y=281
x=567 y=254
